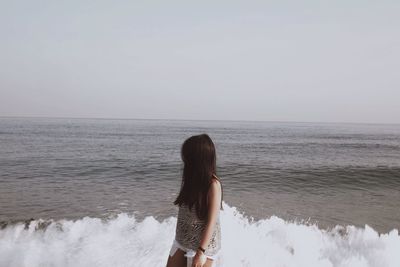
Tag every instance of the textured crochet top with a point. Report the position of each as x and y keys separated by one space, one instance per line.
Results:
x=189 y=231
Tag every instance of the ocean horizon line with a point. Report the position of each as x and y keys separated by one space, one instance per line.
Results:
x=199 y=120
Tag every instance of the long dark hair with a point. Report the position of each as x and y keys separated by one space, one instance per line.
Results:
x=200 y=160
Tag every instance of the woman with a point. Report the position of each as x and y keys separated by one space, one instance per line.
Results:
x=198 y=231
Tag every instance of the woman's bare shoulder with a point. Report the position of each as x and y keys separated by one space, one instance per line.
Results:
x=215 y=178
x=215 y=190
x=215 y=181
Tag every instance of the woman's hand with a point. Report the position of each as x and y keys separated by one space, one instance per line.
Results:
x=199 y=259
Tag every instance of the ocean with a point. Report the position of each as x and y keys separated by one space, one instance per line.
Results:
x=99 y=192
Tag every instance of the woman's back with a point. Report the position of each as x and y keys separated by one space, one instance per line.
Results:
x=189 y=229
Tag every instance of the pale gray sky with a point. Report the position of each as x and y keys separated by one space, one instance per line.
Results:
x=329 y=61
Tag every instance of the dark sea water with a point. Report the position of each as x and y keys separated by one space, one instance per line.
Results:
x=347 y=174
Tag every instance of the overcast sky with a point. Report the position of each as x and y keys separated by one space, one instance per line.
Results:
x=327 y=61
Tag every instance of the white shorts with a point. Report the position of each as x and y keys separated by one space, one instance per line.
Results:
x=190 y=253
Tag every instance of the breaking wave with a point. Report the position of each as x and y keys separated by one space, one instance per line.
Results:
x=125 y=241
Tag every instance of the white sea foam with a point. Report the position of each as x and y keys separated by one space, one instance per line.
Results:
x=124 y=241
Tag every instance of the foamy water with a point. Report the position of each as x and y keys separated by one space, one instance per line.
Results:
x=124 y=241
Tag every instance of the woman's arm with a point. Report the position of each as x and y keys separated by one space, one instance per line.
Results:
x=214 y=204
